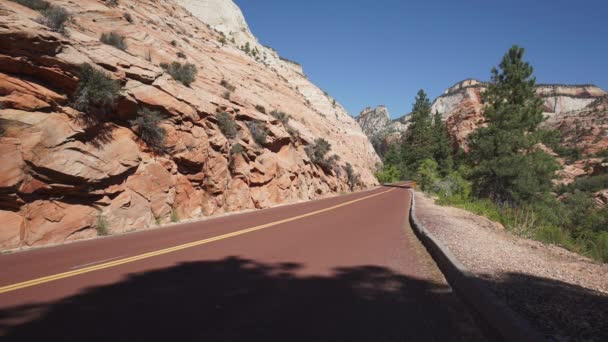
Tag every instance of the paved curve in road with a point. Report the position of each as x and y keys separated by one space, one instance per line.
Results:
x=346 y=268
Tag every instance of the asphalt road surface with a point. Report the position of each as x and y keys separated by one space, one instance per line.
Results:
x=347 y=268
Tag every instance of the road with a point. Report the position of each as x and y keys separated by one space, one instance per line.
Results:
x=346 y=268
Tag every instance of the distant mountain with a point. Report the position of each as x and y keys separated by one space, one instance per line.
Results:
x=566 y=108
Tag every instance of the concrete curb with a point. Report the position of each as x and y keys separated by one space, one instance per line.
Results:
x=499 y=321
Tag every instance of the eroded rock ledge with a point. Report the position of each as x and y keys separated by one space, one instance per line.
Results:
x=62 y=179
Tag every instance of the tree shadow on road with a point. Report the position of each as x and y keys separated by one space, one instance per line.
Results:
x=235 y=299
x=557 y=309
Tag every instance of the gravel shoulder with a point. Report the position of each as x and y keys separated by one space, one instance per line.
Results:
x=562 y=294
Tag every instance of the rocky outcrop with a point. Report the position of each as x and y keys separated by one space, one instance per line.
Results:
x=64 y=179
x=578 y=111
x=374 y=120
x=462 y=108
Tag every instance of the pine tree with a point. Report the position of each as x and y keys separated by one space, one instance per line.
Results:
x=507 y=167
x=417 y=143
x=442 y=148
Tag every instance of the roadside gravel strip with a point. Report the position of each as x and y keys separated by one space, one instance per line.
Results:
x=562 y=295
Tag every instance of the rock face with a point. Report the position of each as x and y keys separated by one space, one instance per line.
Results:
x=580 y=112
x=382 y=131
x=462 y=107
x=62 y=179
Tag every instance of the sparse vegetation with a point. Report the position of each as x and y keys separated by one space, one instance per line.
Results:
x=260 y=109
x=352 y=178
x=227 y=125
x=181 y=55
x=115 y=39
x=281 y=116
x=148 y=56
x=102 y=225
x=231 y=88
x=258 y=131
x=55 y=18
x=174 y=43
x=37 y=5
x=147 y=127
x=174 y=216
x=227 y=95
x=183 y=73
x=237 y=149
x=128 y=17
x=317 y=153
x=97 y=91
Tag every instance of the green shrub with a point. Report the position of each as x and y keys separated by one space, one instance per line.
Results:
x=231 y=88
x=96 y=92
x=37 y=5
x=237 y=149
x=174 y=216
x=174 y=42
x=317 y=151
x=147 y=127
x=388 y=174
x=284 y=118
x=260 y=109
x=55 y=18
x=102 y=225
x=115 y=39
x=599 y=249
x=587 y=184
x=184 y=74
x=226 y=125
x=258 y=131
x=351 y=177
x=181 y=55
x=553 y=235
x=428 y=174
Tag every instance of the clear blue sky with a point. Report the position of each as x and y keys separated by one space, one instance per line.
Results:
x=366 y=53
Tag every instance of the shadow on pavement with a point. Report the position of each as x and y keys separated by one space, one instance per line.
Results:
x=234 y=299
x=559 y=310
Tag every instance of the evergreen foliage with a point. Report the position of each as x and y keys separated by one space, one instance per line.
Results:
x=147 y=127
x=115 y=39
x=507 y=167
x=226 y=125
x=183 y=73
x=97 y=92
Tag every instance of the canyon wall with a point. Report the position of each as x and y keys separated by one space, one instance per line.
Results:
x=63 y=178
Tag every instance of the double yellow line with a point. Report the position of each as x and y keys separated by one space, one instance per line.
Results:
x=115 y=263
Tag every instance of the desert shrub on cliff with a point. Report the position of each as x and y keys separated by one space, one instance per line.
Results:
x=237 y=149
x=227 y=125
x=55 y=18
x=260 y=109
x=183 y=73
x=97 y=92
x=352 y=178
x=230 y=87
x=258 y=131
x=281 y=116
x=128 y=17
x=317 y=151
x=115 y=39
x=147 y=126
x=181 y=55
x=37 y=5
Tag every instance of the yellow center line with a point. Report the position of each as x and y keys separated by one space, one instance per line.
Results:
x=115 y=263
